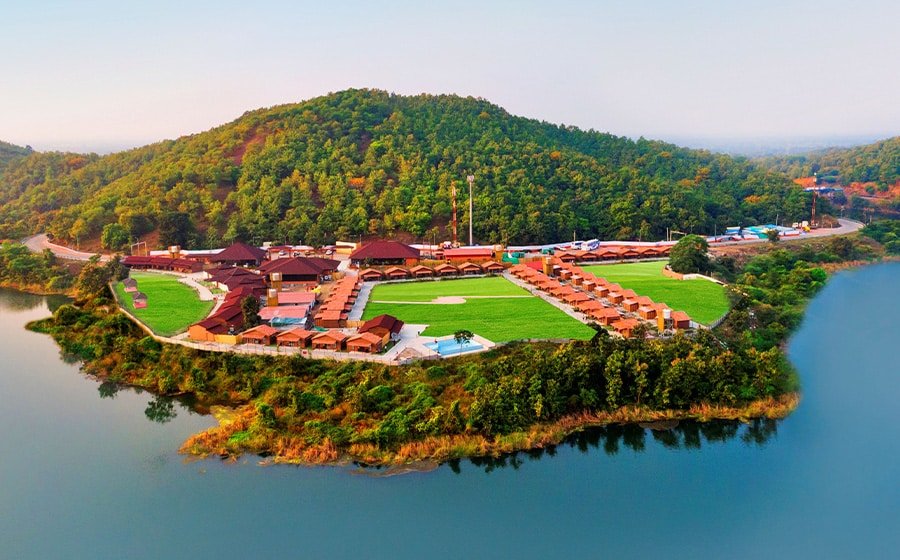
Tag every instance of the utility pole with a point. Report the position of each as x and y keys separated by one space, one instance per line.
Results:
x=454 y=242
x=812 y=220
x=470 y=179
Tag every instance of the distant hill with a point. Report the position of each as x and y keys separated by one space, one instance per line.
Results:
x=364 y=163
x=877 y=163
x=9 y=152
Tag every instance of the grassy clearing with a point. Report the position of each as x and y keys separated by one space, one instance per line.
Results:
x=171 y=306
x=703 y=300
x=499 y=320
x=428 y=290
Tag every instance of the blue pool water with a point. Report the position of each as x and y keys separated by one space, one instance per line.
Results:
x=450 y=347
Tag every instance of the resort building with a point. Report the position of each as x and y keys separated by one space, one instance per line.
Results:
x=330 y=340
x=295 y=338
x=468 y=254
x=260 y=334
x=365 y=342
x=385 y=253
x=240 y=254
x=384 y=326
x=296 y=271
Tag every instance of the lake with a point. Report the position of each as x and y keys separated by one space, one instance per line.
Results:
x=88 y=472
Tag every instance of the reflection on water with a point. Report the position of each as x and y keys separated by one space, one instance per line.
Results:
x=612 y=439
x=11 y=300
x=161 y=410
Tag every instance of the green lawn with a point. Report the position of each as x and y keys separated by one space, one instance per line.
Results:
x=171 y=306
x=499 y=320
x=703 y=300
x=427 y=290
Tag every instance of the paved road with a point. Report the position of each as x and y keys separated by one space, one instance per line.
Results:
x=847 y=226
x=38 y=243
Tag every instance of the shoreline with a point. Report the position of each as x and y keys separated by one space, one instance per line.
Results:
x=432 y=452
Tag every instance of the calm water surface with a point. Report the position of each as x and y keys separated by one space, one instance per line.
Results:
x=89 y=473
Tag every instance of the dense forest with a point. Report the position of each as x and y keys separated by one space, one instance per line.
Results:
x=878 y=163
x=10 y=152
x=368 y=163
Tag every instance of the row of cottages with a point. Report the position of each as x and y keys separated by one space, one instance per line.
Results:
x=581 y=301
x=185 y=266
x=440 y=271
x=372 y=337
x=627 y=299
x=385 y=253
x=298 y=272
x=334 y=311
x=614 y=253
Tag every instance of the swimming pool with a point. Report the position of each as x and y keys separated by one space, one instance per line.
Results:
x=449 y=347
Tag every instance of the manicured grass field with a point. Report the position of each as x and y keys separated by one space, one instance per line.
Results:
x=703 y=300
x=430 y=289
x=171 y=306
x=499 y=320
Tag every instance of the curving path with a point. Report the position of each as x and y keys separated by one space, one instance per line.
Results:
x=37 y=243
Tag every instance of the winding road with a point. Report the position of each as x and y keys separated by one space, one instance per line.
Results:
x=39 y=242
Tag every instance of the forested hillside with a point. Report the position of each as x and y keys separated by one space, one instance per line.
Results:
x=9 y=152
x=878 y=163
x=364 y=163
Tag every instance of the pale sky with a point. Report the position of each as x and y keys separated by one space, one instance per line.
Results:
x=103 y=75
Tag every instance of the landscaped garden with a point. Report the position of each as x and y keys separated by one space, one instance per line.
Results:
x=494 y=308
x=171 y=305
x=703 y=300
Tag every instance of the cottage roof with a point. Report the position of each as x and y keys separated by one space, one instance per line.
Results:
x=296 y=298
x=469 y=253
x=296 y=333
x=239 y=252
x=300 y=266
x=385 y=250
x=367 y=337
x=260 y=330
x=334 y=335
x=287 y=312
x=388 y=322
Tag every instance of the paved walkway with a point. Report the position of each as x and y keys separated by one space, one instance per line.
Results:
x=356 y=312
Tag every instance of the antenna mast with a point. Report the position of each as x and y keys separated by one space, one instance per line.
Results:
x=470 y=179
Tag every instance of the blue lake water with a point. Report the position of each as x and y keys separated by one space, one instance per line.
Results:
x=88 y=477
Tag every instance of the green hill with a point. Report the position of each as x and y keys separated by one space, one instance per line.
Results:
x=878 y=162
x=364 y=163
x=10 y=152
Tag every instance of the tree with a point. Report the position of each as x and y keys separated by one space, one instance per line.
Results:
x=114 y=236
x=175 y=228
x=842 y=247
x=689 y=255
x=463 y=337
x=772 y=235
x=250 y=310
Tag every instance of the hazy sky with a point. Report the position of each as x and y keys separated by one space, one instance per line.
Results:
x=101 y=75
